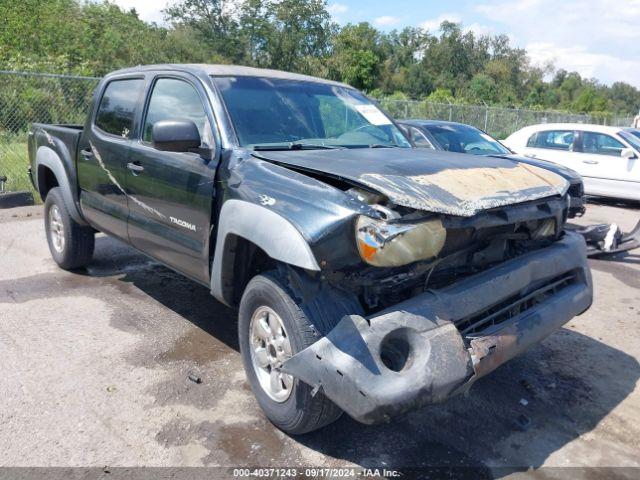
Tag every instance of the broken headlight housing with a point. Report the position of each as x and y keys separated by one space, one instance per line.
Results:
x=384 y=244
x=543 y=229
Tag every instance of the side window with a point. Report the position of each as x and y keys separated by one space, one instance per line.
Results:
x=118 y=105
x=176 y=99
x=553 y=139
x=601 y=144
x=419 y=139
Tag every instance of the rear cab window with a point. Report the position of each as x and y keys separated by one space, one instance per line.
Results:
x=117 y=108
x=552 y=139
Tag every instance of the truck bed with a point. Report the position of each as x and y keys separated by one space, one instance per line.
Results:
x=68 y=133
x=63 y=139
x=43 y=134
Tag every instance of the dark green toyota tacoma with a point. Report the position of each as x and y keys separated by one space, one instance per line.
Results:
x=369 y=276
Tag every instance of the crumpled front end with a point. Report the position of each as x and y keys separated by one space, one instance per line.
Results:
x=436 y=344
x=428 y=180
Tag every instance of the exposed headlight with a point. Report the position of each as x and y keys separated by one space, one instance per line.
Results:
x=385 y=244
x=544 y=229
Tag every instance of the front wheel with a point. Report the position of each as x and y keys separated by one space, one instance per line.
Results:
x=70 y=243
x=272 y=328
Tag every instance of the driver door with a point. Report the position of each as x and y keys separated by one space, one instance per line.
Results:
x=603 y=168
x=171 y=193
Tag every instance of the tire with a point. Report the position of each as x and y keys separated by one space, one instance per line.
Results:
x=70 y=243
x=301 y=412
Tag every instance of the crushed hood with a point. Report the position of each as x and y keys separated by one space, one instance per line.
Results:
x=435 y=181
x=571 y=175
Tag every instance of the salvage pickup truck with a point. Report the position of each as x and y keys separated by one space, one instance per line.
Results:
x=369 y=276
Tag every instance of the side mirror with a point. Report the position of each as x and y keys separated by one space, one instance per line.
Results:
x=628 y=153
x=175 y=135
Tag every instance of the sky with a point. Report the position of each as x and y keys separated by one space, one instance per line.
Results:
x=597 y=38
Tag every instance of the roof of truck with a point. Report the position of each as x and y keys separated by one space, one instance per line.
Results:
x=227 y=70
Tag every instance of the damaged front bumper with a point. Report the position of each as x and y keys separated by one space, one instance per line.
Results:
x=577 y=206
x=435 y=345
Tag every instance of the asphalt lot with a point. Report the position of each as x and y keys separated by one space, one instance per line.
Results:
x=94 y=371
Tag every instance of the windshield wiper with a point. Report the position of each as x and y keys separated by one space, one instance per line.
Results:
x=295 y=146
x=380 y=145
x=372 y=145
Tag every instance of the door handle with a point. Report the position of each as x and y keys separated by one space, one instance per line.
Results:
x=86 y=154
x=135 y=168
x=530 y=155
x=591 y=162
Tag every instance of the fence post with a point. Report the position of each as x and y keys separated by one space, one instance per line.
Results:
x=486 y=116
x=450 y=111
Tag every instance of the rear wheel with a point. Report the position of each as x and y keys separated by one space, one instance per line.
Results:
x=70 y=243
x=272 y=328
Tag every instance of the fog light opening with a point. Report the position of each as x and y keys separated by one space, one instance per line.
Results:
x=396 y=352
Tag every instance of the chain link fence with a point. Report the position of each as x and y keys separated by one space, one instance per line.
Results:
x=496 y=121
x=34 y=97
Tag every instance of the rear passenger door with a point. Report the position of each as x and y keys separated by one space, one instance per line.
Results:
x=557 y=146
x=102 y=156
x=171 y=193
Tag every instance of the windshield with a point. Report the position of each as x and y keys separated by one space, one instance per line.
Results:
x=465 y=139
x=633 y=137
x=277 y=113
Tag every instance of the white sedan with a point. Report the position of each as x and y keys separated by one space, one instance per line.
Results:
x=608 y=158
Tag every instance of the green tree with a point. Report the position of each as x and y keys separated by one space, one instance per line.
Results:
x=455 y=57
x=95 y=37
x=589 y=100
x=441 y=95
x=402 y=68
x=482 y=89
x=214 y=21
x=623 y=98
x=300 y=29
x=357 y=55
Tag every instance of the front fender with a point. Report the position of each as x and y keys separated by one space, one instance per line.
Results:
x=265 y=228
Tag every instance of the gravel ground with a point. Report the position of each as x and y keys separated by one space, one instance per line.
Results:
x=95 y=367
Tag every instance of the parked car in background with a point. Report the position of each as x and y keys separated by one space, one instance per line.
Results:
x=462 y=138
x=606 y=157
